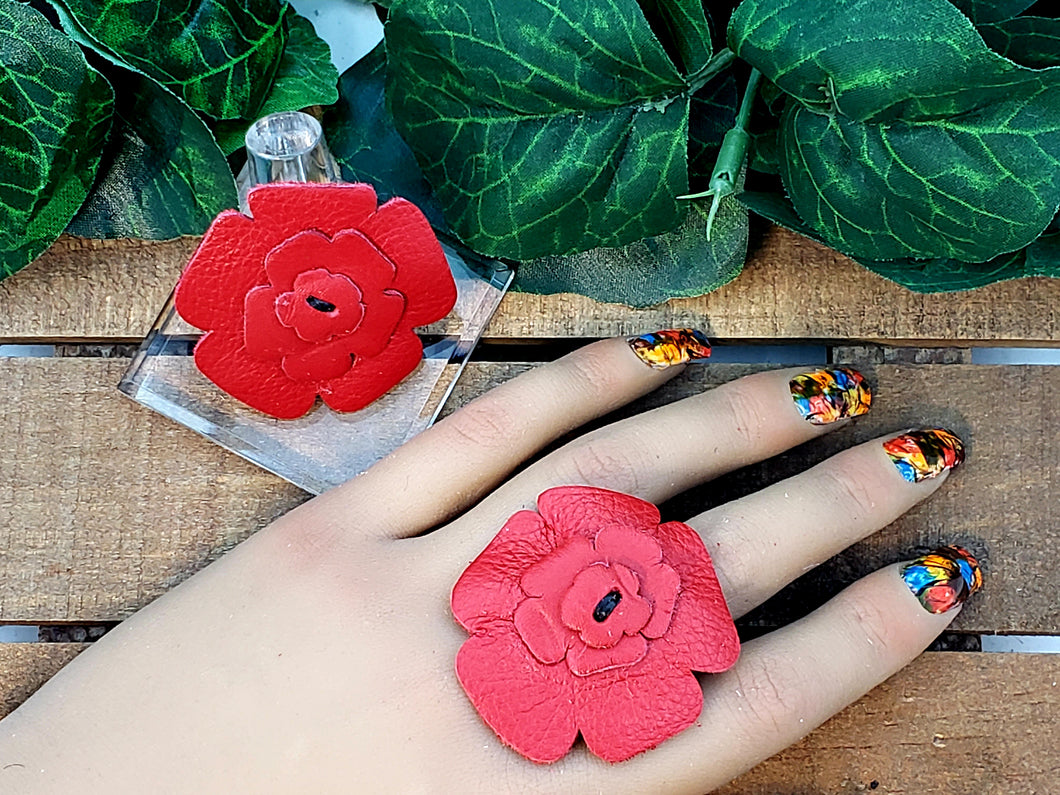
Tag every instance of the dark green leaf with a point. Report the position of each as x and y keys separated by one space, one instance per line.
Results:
x=904 y=135
x=1029 y=41
x=306 y=76
x=55 y=111
x=361 y=135
x=981 y=11
x=679 y=263
x=683 y=28
x=922 y=276
x=218 y=55
x=541 y=131
x=712 y=114
x=1043 y=255
x=162 y=174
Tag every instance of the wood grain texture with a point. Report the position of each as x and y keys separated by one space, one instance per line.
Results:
x=104 y=504
x=792 y=288
x=949 y=724
x=24 y=667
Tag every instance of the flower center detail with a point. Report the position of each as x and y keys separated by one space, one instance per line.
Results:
x=606 y=606
x=319 y=304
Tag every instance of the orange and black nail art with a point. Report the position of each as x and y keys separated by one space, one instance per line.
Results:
x=943 y=579
x=667 y=348
x=919 y=455
x=825 y=396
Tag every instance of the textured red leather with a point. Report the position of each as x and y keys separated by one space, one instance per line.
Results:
x=317 y=293
x=590 y=616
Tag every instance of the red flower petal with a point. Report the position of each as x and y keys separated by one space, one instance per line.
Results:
x=701 y=630
x=587 y=660
x=289 y=208
x=319 y=362
x=553 y=575
x=584 y=510
x=383 y=317
x=349 y=253
x=403 y=234
x=371 y=377
x=660 y=585
x=629 y=710
x=489 y=587
x=544 y=635
x=264 y=336
x=633 y=547
x=221 y=357
x=590 y=586
x=227 y=263
x=321 y=305
x=529 y=705
x=374 y=271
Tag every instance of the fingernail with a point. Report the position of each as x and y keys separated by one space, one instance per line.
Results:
x=825 y=396
x=669 y=347
x=919 y=455
x=943 y=579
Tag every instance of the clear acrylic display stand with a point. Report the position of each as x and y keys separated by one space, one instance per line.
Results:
x=324 y=447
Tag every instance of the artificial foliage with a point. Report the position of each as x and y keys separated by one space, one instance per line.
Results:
x=111 y=112
x=608 y=147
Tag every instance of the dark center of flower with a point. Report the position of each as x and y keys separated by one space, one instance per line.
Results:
x=606 y=606
x=319 y=304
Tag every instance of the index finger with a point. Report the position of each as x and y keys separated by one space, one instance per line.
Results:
x=451 y=465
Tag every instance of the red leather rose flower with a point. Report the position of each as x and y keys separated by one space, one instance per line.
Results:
x=590 y=616
x=317 y=294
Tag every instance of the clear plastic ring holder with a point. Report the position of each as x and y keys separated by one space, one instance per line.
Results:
x=324 y=447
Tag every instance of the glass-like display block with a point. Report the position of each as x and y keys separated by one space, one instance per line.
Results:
x=324 y=447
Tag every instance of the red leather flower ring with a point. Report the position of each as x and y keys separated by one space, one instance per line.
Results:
x=590 y=616
x=317 y=294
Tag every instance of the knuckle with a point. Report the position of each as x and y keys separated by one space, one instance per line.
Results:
x=771 y=694
x=870 y=623
x=847 y=481
x=596 y=462
x=591 y=371
x=742 y=405
x=486 y=422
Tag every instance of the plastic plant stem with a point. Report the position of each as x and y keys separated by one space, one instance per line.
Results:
x=732 y=154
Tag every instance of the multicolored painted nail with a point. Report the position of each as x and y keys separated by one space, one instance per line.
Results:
x=825 y=396
x=920 y=455
x=666 y=348
x=943 y=579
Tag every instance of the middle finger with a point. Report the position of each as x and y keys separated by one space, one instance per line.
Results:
x=663 y=452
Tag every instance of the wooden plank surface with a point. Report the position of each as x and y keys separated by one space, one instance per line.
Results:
x=104 y=504
x=24 y=667
x=949 y=724
x=792 y=288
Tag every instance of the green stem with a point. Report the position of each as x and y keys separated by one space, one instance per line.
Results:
x=710 y=69
x=732 y=154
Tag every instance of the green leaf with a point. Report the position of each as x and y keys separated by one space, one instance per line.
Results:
x=712 y=114
x=904 y=135
x=306 y=76
x=162 y=174
x=1029 y=41
x=360 y=132
x=1043 y=255
x=921 y=276
x=683 y=28
x=982 y=11
x=543 y=129
x=679 y=263
x=218 y=55
x=55 y=111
